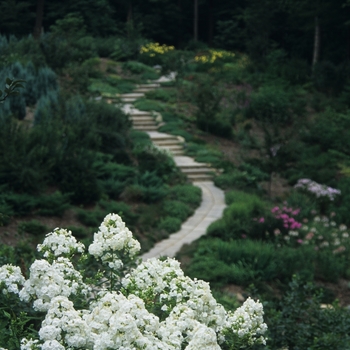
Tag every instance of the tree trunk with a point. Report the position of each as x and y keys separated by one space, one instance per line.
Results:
x=129 y=16
x=211 y=23
x=39 y=19
x=195 y=22
x=129 y=21
x=317 y=42
x=179 y=34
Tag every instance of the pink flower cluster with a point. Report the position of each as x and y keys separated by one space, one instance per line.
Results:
x=286 y=214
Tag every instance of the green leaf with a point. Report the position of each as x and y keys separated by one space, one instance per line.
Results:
x=8 y=81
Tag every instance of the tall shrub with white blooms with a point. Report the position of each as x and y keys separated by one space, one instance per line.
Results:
x=153 y=306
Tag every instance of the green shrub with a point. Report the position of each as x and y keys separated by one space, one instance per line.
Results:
x=298 y=322
x=170 y=224
x=113 y=188
x=216 y=126
x=270 y=105
x=237 y=221
x=161 y=95
x=329 y=78
x=18 y=106
x=78 y=231
x=137 y=68
x=177 y=209
x=247 y=261
x=146 y=76
x=188 y=194
x=79 y=179
x=236 y=196
x=154 y=160
x=237 y=179
x=105 y=46
x=67 y=42
x=149 y=105
x=54 y=204
x=107 y=169
x=18 y=204
x=6 y=212
x=207 y=96
x=217 y=228
x=302 y=201
x=90 y=218
x=121 y=209
x=46 y=108
x=32 y=227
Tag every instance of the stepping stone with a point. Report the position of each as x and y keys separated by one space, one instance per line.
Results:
x=148 y=86
x=143 y=89
x=132 y=94
x=145 y=128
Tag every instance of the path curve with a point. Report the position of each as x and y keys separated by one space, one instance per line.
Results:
x=210 y=210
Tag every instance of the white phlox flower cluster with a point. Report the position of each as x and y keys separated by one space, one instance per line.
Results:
x=60 y=242
x=65 y=325
x=113 y=241
x=47 y=281
x=182 y=327
x=165 y=282
x=119 y=322
x=157 y=307
x=248 y=322
x=29 y=344
x=10 y=278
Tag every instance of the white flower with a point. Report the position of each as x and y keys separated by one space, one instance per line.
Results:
x=29 y=344
x=119 y=322
x=47 y=281
x=60 y=242
x=10 y=278
x=203 y=338
x=52 y=345
x=247 y=322
x=64 y=324
x=113 y=241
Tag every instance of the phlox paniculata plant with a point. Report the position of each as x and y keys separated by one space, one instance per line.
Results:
x=150 y=306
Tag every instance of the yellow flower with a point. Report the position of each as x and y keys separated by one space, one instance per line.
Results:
x=151 y=49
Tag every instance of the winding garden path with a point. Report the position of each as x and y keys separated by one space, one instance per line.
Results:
x=213 y=199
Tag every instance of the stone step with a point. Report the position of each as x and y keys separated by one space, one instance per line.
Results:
x=145 y=128
x=207 y=171
x=144 y=90
x=199 y=177
x=132 y=94
x=148 y=86
x=136 y=114
x=145 y=124
x=129 y=99
x=171 y=147
x=166 y=143
x=177 y=152
x=159 y=137
x=144 y=118
x=194 y=167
